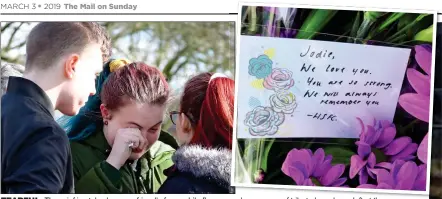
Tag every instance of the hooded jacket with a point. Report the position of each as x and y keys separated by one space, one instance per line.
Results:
x=199 y=170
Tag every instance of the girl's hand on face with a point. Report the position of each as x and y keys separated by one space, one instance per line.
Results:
x=126 y=140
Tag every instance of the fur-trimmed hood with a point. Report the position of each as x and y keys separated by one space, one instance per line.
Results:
x=8 y=70
x=208 y=163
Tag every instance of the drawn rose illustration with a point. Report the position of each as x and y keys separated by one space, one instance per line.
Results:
x=283 y=102
x=279 y=79
x=260 y=67
x=263 y=121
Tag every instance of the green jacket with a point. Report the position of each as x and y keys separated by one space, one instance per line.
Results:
x=93 y=175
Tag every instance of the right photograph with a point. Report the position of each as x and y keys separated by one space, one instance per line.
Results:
x=336 y=98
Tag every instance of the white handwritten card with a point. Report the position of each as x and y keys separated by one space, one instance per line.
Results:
x=307 y=88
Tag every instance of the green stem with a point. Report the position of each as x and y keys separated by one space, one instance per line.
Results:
x=271 y=176
x=267 y=148
x=248 y=156
x=245 y=15
x=368 y=20
x=343 y=35
x=253 y=19
x=309 y=144
x=400 y=37
x=316 y=181
x=410 y=25
x=411 y=124
x=354 y=29
x=392 y=18
x=255 y=158
x=278 y=28
x=405 y=42
x=260 y=150
x=363 y=29
x=270 y=22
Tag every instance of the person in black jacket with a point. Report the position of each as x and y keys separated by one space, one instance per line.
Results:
x=204 y=124
x=62 y=60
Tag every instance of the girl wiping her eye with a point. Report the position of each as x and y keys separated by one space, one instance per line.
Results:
x=123 y=150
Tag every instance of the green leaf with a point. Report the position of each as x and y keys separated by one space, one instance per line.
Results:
x=402 y=31
x=354 y=28
x=314 y=23
x=390 y=20
x=340 y=155
x=425 y=35
x=405 y=20
x=372 y=15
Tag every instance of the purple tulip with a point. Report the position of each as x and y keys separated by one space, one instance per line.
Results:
x=381 y=138
x=308 y=169
x=418 y=104
x=402 y=176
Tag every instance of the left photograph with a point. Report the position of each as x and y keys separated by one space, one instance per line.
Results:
x=117 y=107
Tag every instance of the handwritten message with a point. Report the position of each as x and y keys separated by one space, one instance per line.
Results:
x=307 y=88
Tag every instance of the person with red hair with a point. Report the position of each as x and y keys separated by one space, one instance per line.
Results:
x=117 y=142
x=204 y=126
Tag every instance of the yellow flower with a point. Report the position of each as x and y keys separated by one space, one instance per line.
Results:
x=117 y=63
x=258 y=84
x=270 y=52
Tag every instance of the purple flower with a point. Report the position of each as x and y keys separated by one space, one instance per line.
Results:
x=364 y=163
x=259 y=176
x=309 y=169
x=401 y=149
x=418 y=104
x=380 y=139
x=422 y=151
x=402 y=176
x=377 y=136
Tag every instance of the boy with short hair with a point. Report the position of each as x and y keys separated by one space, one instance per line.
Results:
x=62 y=61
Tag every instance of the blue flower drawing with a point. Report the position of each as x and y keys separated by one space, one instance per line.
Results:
x=254 y=102
x=260 y=67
